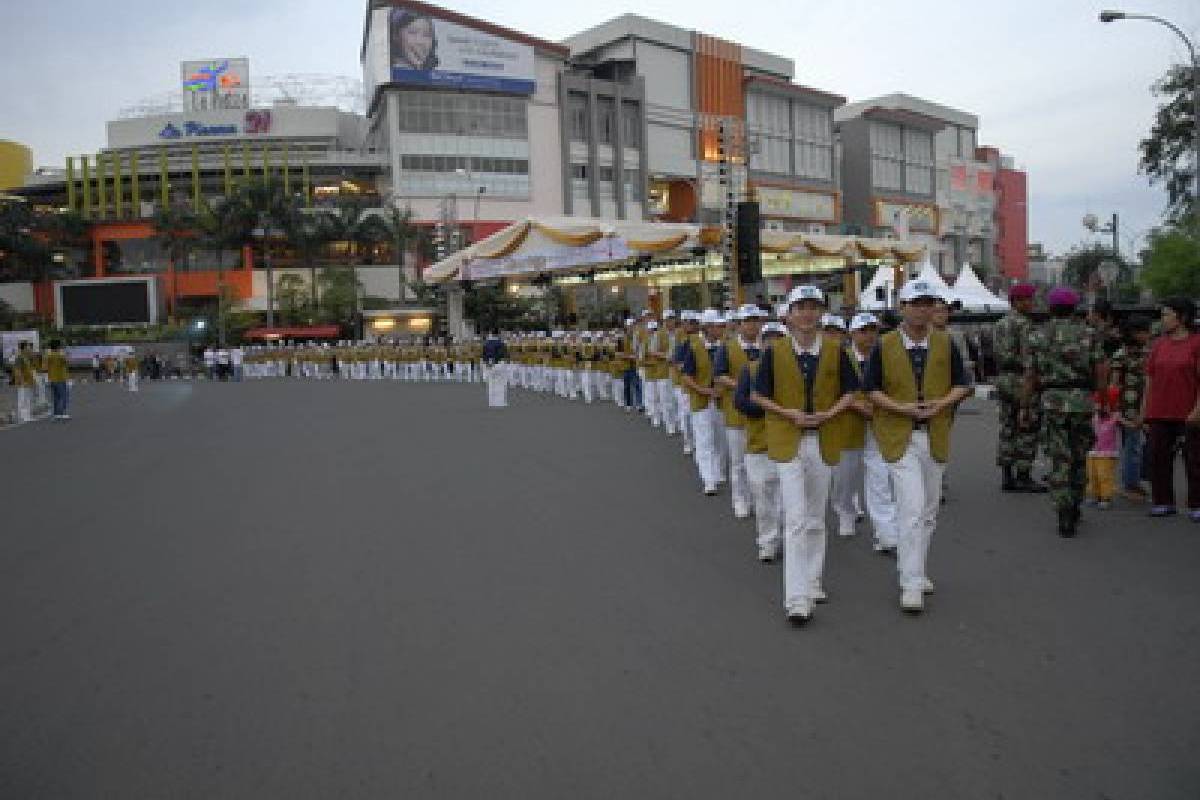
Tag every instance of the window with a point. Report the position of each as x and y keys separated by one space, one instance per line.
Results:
x=606 y=174
x=579 y=172
x=606 y=120
x=454 y=114
x=631 y=124
x=918 y=161
x=633 y=185
x=577 y=116
x=814 y=142
x=887 y=156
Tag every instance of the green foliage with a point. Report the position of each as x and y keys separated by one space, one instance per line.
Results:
x=1172 y=260
x=1084 y=261
x=293 y=295
x=339 y=293
x=1167 y=151
x=491 y=307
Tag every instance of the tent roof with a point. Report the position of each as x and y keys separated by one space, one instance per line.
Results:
x=973 y=294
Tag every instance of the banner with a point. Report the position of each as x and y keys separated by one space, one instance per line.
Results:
x=428 y=51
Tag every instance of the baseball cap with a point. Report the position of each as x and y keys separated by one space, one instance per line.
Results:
x=669 y=314
x=863 y=320
x=806 y=292
x=652 y=325
x=914 y=289
x=712 y=317
x=774 y=327
x=833 y=321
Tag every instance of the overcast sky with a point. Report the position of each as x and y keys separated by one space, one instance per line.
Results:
x=1067 y=96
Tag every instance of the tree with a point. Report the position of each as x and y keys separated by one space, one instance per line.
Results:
x=175 y=232
x=396 y=226
x=1172 y=260
x=339 y=293
x=270 y=209
x=1083 y=262
x=224 y=225
x=291 y=293
x=1167 y=151
x=307 y=232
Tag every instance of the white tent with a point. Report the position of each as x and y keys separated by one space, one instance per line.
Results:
x=871 y=298
x=973 y=295
x=930 y=275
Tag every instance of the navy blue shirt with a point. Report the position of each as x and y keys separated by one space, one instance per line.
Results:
x=764 y=384
x=741 y=396
x=721 y=362
x=688 y=362
x=917 y=356
x=494 y=350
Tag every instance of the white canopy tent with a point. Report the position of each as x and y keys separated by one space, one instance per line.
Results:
x=974 y=295
x=879 y=292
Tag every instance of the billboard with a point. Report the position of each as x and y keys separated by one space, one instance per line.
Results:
x=424 y=50
x=215 y=83
x=112 y=301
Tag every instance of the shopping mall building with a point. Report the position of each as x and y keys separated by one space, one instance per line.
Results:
x=473 y=126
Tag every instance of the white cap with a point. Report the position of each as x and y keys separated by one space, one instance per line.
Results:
x=833 y=321
x=751 y=311
x=669 y=314
x=687 y=315
x=781 y=310
x=863 y=319
x=652 y=325
x=628 y=321
x=773 y=327
x=919 y=288
x=805 y=292
x=712 y=317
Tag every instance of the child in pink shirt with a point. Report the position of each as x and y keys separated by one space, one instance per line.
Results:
x=1102 y=458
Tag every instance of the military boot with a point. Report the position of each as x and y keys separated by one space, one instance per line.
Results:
x=1068 y=518
x=1007 y=484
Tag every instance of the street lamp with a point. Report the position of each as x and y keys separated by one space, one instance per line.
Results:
x=1092 y=223
x=1114 y=16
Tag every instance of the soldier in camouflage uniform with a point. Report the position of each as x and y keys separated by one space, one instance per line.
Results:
x=1019 y=420
x=1066 y=363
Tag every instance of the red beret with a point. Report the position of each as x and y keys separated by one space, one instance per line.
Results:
x=1021 y=291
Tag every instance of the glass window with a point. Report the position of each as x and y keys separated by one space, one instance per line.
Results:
x=577 y=116
x=579 y=172
x=606 y=120
x=633 y=185
x=631 y=121
x=463 y=115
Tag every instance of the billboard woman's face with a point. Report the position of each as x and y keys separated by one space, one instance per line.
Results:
x=416 y=41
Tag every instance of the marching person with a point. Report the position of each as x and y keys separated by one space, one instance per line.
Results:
x=130 y=363
x=690 y=327
x=697 y=377
x=495 y=354
x=1066 y=365
x=804 y=382
x=1020 y=420
x=667 y=397
x=58 y=374
x=23 y=377
x=732 y=357
x=760 y=470
x=914 y=380
x=862 y=470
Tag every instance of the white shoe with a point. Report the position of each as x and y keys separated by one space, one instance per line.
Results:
x=741 y=512
x=926 y=586
x=800 y=612
x=818 y=595
x=710 y=490
x=767 y=554
x=912 y=600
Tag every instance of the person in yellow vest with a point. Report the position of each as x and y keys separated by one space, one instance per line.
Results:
x=655 y=380
x=668 y=400
x=862 y=471
x=761 y=471
x=23 y=377
x=915 y=379
x=689 y=326
x=735 y=352
x=697 y=376
x=804 y=383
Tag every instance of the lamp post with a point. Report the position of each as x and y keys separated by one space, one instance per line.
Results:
x=1109 y=270
x=1092 y=223
x=1114 y=16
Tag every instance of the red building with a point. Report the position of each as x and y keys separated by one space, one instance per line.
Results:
x=1011 y=215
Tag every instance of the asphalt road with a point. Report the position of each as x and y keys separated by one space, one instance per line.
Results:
x=377 y=590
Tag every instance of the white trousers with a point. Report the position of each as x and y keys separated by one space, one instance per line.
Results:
x=709 y=429
x=24 y=403
x=865 y=471
x=739 y=482
x=132 y=381
x=497 y=385
x=617 y=385
x=665 y=398
x=685 y=417
x=651 y=401
x=917 y=477
x=803 y=494
x=764 y=487
x=586 y=384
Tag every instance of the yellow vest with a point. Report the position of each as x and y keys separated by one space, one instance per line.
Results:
x=756 y=428
x=893 y=431
x=737 y=360
x=855 y=424
x=783 y=437
x=704 y=372
x=23 y=370
x=660 y=342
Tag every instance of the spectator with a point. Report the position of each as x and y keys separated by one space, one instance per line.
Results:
x=1129 y=379
x=210 y=362
x=223 y=362
x=1171 y=409
x=236 y=358
x=1102 y=458
x=57 y=374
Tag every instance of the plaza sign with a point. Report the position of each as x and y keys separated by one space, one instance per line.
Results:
x=256 y=122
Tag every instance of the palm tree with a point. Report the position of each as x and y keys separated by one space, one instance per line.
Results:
x=224 y=225
x=349 y=223
x=270 y=209
x=308 y=231
x=175 y=232
x=396 y=226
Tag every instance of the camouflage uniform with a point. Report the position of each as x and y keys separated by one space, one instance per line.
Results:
x=1018 y=437
x=1063 y=356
